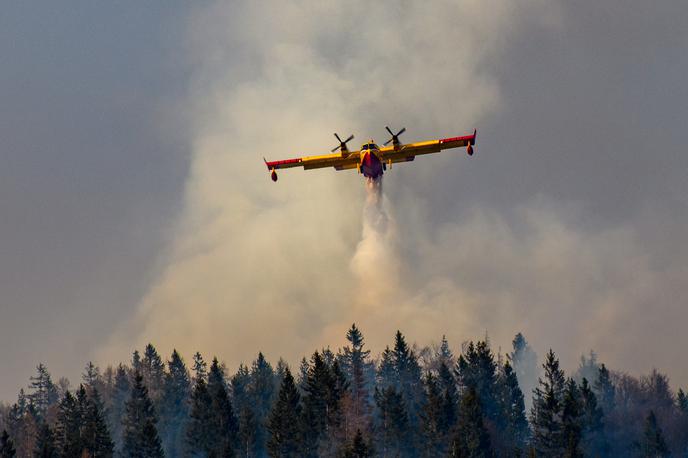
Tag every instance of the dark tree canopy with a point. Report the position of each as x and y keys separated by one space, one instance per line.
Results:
x=283 y=423
x=45 y=443
x=653 y=443
x=407 y=401
x=546 y=414
x=7 y=449
x=139 y=433
x=471 y=438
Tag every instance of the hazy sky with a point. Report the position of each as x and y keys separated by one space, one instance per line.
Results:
x=135 y=206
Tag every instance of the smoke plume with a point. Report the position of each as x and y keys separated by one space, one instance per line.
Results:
x=287 y=267
x=283 y=267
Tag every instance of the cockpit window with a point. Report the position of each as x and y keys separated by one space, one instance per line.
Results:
x=364 y=147
x=374 y=146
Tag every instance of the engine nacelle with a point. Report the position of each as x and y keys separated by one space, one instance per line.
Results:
x=273 y=175
x=469 y=149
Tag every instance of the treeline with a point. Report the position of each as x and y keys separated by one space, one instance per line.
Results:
x=407 y=402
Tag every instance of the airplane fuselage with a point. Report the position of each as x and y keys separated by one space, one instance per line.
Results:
x=371 y=163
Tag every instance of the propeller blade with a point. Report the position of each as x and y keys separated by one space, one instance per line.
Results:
x=342 y=144
x=395 y=137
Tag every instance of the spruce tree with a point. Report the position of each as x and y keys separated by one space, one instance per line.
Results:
x=410 y=383
x=476 y=368
x=318 y=405
x=6 y=446
x=571 y=420
x=358 y=447
x=604 y=389
x=223 y=425
x=241 y=384
x=450 y=397
x=199 y=366
x=280 y=369
x=328 y=356
x=11 y=420
x=68 y=427
x=174 y=412
x=302 y=376
x=92 y=379
x=682 y=401
x=512 y=411
x=471 y=438
x=95 y=437
x=444 y=354
x=261 y=395
x=356 y=365
x=682 y=420
x=433 y=419
x=546 y=413
x=525 y=364
x=45 y=443
x=593 y=437
x=199 y=429
x=338 y=398
x=386 y=373
x=283 y=423
x=393 y=428
x=22 y=423
x=653 y=443
x=120 y=394
x=153 y=372
x=136 y=365
x=140 y=435
x=247 y=432
x=44 y=393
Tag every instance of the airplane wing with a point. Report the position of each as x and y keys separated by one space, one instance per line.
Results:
x=340 y=161
x=408 y=152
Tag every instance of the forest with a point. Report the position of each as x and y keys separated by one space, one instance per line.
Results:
x=406 y=402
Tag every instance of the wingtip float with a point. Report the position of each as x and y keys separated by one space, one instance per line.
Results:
x=371 y=160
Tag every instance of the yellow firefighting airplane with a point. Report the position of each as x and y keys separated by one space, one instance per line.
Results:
x=372 y=160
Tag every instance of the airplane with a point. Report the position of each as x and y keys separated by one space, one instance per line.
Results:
x=371 y=160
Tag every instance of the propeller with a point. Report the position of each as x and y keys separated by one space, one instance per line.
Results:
x=395 y=137
x=342 y=144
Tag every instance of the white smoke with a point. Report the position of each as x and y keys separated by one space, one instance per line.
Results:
x=287 y=267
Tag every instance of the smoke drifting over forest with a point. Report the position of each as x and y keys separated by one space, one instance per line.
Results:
x=284 y=267
x=568 y=224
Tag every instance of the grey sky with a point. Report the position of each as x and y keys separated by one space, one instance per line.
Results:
x=92 y=171
x=568 y=224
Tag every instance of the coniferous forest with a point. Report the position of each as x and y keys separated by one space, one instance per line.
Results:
x=407 y=402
